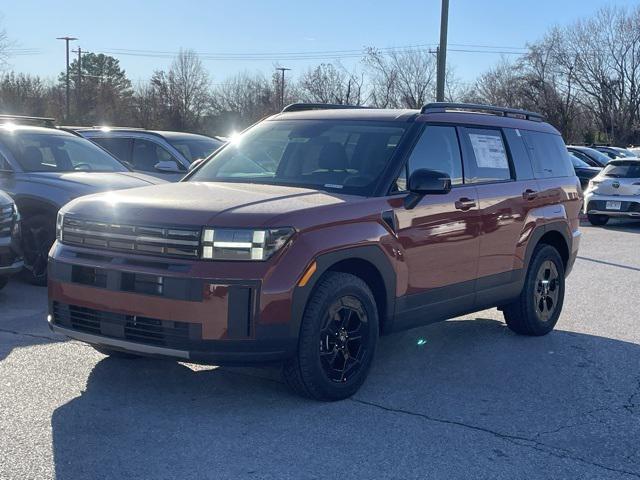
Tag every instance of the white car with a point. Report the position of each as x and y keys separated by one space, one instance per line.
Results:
x=614 y=192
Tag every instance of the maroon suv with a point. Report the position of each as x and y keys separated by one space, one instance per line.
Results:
x=319 y=229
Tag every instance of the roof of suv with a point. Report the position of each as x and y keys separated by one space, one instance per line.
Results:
x=409 y=115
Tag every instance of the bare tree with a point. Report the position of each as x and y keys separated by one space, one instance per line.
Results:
x=329 y=83
x=189 y=89
x=245 y=99
x=402 y=78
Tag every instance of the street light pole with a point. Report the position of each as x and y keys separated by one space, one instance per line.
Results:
x=67 y=40
x=442 y=51
x=282 y=69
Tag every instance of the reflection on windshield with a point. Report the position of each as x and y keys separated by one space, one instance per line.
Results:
x=55 y=152
x=348 y=155
x=194 y=149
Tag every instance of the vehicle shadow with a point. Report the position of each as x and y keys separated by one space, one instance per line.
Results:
x=436 y=395
x=23 y=312
x=617 y=225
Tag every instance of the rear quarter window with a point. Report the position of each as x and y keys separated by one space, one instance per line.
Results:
x=549 y=155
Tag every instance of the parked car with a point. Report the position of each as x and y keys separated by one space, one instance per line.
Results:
x=10 y=256
x=589 y=155
x=44 y=168
x=614 y=192
x=584 y=171
x=166 y=155
x=319 y=229
x=614 y=152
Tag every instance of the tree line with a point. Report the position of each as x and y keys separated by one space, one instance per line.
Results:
x=584 y=78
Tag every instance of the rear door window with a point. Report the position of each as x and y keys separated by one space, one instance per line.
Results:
x=486 y=158
x=147 y=154
x=548 y=155
x=118 y=147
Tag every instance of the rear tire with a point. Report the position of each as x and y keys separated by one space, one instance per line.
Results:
x=536 y=311
x=337 y=339
x=38 y=235
x=597 y=219
x=115 y=353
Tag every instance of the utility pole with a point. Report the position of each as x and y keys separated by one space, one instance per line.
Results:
x=67 y=40
x=79 y=86
x=442 y=51
x=282 y=69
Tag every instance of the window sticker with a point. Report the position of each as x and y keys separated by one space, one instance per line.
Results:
x=489 y=151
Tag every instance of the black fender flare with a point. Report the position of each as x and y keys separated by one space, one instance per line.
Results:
x=369 y=253
x=561 y=227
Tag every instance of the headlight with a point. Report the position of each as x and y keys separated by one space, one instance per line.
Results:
x=593 y=184
x=59 y=222
x=243 y=244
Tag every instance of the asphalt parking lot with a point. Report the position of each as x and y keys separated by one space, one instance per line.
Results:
x=473 y=401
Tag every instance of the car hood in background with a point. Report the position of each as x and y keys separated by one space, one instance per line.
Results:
x=203 y=203
x=91 y=182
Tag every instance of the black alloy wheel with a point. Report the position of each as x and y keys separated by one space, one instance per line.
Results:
x=344 y=339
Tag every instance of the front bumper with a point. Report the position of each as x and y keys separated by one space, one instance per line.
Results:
x=167 y=310
x=224 y=353
x=10 y=258
x=597 y=205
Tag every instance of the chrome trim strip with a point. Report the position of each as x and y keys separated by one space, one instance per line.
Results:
x=614 y=213
x=134 y=238
x=114 y=342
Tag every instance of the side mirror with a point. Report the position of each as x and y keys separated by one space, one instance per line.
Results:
x=195 y=163
x=426 y=182
x=167 y=166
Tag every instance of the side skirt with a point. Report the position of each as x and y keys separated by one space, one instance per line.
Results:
x=451 y=301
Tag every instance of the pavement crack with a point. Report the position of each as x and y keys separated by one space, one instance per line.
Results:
x=521 y=441
x=31 y=335
x=631 y=404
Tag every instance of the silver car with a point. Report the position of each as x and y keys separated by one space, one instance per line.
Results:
x=165 y=155
x=614 y=192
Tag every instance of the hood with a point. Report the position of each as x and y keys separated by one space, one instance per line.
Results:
x=5 y=199
x=96 y=180
x=200 y=203
x=616 y=186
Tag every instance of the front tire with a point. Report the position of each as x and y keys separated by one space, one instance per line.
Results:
x=597 y=219
x=337 y=341
x=3 y=282
x=536 y=311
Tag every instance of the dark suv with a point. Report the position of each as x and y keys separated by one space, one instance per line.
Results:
x=319 y=229
x=10 y=257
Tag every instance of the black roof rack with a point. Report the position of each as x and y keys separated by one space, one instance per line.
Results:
x=25 y=120
x=300 y=107
x=474 y=107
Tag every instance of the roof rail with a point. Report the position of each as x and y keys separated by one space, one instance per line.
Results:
x=300 y=107
x=474 y=107
x=25 y=120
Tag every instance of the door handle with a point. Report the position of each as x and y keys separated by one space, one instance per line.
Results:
x=530 y=194
x=465 y=203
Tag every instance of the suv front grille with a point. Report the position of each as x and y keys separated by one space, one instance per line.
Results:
x=139 y=329
x=6 y=220
x=163 y=241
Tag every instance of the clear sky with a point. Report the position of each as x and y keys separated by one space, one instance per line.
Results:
x=266 y=29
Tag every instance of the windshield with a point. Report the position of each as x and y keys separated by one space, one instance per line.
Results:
x=625 y=153
x=596 y=155
x=56 y=152
x=622 y=170
x=195 y=148
x=326 y=154
x=577 y=162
